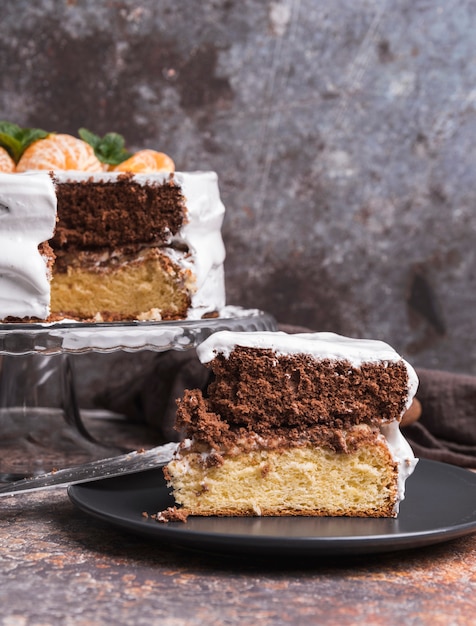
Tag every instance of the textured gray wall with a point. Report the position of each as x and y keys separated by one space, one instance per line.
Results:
x=343 y=133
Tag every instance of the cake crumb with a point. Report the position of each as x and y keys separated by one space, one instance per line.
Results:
x=172 y=514
x=153 y=315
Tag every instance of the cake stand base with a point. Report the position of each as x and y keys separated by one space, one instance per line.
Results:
x=38 y=434
x=35 y=437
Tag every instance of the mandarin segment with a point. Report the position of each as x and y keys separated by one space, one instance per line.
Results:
x=59 y=152
x=146 y=162
x=7 y=164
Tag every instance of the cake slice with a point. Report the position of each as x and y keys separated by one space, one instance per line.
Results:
x=304 y=424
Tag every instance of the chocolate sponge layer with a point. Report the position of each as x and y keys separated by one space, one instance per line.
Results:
x=112 y=214
x=256 y=391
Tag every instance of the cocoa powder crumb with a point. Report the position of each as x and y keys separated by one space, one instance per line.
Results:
x=172 y=514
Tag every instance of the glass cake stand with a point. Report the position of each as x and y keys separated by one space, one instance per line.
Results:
x=41 y=429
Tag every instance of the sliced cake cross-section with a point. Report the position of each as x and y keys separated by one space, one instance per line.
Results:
x=304 y=424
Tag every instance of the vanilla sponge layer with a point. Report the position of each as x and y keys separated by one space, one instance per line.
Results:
x=149 y=286
x=294 y=481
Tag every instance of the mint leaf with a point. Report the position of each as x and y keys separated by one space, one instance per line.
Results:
x=109 y=149
x=16 y=140
x=89 y=137
x=11 y=145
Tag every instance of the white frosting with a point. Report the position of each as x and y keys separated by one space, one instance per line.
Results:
x=401 y=453
x=30 y=216
x=202 y=235
x=27 y=218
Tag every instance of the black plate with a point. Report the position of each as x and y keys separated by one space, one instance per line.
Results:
x=440 y=505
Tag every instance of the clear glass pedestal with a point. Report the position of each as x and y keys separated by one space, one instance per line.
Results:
x=42 y=427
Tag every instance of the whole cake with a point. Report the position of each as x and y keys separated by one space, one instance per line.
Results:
x=136 y=242
x=304 y=424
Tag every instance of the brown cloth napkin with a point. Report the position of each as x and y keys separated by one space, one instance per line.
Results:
x=445 y=431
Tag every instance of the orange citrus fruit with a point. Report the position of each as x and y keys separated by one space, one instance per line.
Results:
x=59 y=152
x=146 y=162
x=7 y=164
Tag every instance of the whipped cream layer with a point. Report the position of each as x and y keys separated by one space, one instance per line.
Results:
x=402 y=454
x=27 y=219
x=201 y=232
x=202 y=235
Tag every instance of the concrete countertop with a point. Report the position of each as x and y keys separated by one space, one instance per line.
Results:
x=60 y=566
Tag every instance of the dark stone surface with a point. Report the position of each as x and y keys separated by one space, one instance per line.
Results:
x=343 y=133
x=59 y=566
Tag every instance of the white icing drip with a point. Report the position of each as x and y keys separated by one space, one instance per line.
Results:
x=27 y=218
x=202 y=235
x=401 y=453
x=319 y=345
